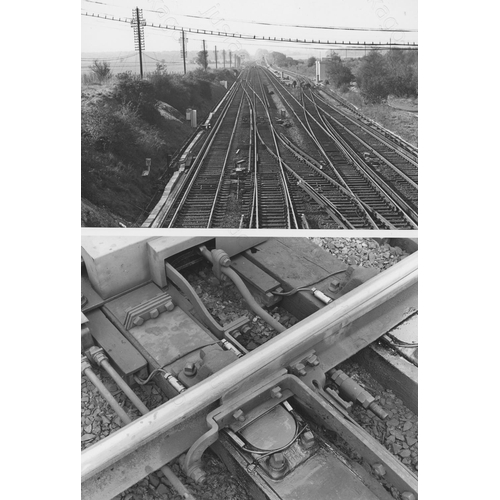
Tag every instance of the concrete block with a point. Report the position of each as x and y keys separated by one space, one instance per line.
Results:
x=115 y=263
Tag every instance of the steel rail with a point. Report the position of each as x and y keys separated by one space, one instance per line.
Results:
x=375 y=127
x=224 y=166
x=118 y=461
x=291 y=212
x=381 y=184
x=376 y=134
x=377 y=181
x=362 y=205
x=365 y=144
x=291 y=208
x=327 y=128
x=205 y=150
x=311 y=162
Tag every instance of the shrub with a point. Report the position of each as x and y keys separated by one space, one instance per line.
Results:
x=138 y=93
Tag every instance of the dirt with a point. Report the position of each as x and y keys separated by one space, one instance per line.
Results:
x=94 y=216
x=116 y=141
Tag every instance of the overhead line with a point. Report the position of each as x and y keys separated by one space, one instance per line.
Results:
x=263 y=23
x=239 y=36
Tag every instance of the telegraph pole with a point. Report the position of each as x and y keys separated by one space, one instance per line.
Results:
x=183 y=50
x=230 y=59
x=224 y=57
x=138 y=25
x=216 y=57
x=205 y=56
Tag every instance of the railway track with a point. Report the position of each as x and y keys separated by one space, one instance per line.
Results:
x=290 y=410
x=206 y=184
x=250 y=171
x=347 y=165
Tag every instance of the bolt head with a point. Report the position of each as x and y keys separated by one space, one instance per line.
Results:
x=277 y=461
x=307 y=439
x=239 y=415
x=138 y=321
x=276 y=392
x=198 y=475
x=154 y=313
x=190 y=369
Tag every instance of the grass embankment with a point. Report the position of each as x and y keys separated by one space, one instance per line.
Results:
x=401 y=122
x=126 y=121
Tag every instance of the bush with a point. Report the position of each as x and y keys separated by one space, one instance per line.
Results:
x=338 y=73
x=140 y=94
x=101 y=70
x=373 y=77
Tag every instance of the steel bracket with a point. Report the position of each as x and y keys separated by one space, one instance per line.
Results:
x=148 y=309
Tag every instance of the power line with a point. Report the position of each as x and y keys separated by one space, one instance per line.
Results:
x=263 y=23
x=240 y=36
x=337 y=28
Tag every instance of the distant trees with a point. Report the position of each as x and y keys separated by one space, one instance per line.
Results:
x=338 y=73
x=394 y=73
x=101 y=69
x=278 y=58
x=202 y=58
x=373 y=77
x=311 y=62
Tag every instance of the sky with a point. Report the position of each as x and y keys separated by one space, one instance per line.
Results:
x=240 y=17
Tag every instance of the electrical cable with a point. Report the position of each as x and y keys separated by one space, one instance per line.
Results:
x=239 y=36
x=307 y=288
x=263 y=23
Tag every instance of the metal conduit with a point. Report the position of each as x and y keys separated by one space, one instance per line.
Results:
x=124 y=387
x=169 y=473
x=245 y=292
x=104 y=392
x=260 y=362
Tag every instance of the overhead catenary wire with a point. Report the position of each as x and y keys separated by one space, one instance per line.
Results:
x=263 y=23
x=247 y=37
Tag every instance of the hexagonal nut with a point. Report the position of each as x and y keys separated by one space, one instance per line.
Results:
x=190 y=369
x=277 y=461
x=334 y=285
x=154 y=313
x=379 y=470
x=239 y=415
x=407 y=495
x=169 y=306
x=138 y=321
x=338 y=376
x=276 y=392
x=307 y=440
x=312 y=360
x=198 y=475
x=300 y=369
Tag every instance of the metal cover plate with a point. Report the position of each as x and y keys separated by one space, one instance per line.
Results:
x=171 y=336
x=326 y=476
x=273 y=430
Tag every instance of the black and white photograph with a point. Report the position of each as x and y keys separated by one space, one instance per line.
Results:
x=253 y=115
x=249 y=250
